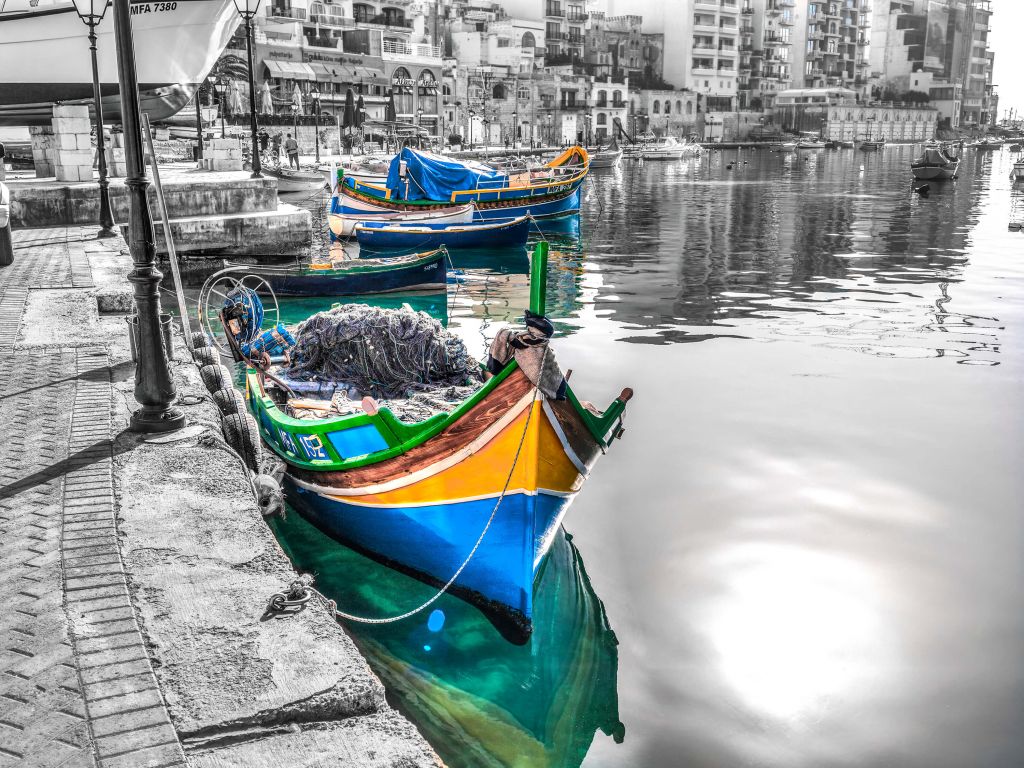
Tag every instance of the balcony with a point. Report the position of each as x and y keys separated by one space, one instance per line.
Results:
x=706 y=24
x=575 y=39
x=554 y=10
x=396 y=51
x=746 y=9
x=618 y=104
x=705 y=5
x=576 y=17
x=332 y=20
x=572 y=105
x=286 y=12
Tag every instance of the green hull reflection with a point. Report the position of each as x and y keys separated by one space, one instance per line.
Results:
x=480 y=701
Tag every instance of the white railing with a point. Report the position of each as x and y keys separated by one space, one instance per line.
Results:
x=419 y=50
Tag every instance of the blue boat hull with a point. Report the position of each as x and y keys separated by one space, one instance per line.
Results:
x=430 y=543
x=513 y=235
x=414 y=276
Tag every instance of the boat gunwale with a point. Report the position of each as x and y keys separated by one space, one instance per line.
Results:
x=410 y=227
x=369 y=267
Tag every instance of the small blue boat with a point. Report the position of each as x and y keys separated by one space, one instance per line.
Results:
x=403 y=236
x=356 y=277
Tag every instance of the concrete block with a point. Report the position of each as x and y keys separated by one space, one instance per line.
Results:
x=84 y=141
x=43 y=170
x=71 y=125
x=85 y=173
x=233 y=154
x=67 y=141
x=75 y=157
x=227 y=165
x=71 y=110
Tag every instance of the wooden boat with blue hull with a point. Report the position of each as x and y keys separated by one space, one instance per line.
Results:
x=482 y=489
x=553 y=190
x=356 y=277
x=402 y=236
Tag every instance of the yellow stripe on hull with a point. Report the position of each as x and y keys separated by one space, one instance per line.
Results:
x=542 y=466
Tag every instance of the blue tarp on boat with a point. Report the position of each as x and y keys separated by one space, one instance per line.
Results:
x=432 y=177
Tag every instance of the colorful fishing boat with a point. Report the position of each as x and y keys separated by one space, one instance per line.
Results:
x=420 y=181
x=936 y=163
x=469 y=500
x=403 y=236
x=354 y=277
x=342 y=223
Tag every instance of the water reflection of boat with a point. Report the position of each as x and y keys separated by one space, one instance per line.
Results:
x=480 y=701
x=32 y=30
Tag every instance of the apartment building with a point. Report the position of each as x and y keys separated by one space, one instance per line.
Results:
x=376 y=49
x=617 y=46
x=937 y=47
x=565 y=23
x=830 y=44
x=766 y=55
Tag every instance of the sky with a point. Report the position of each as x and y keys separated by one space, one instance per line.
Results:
x=1007 y=42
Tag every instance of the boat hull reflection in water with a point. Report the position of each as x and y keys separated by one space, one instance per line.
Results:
x=479 y=700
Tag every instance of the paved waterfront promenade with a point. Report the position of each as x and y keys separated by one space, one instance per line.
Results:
x=135 y=576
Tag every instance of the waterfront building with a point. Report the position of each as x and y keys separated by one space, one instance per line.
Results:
x=830 y=44
x=377 y=49
x=565 y=25
x=663 y=112
x=608 y=104
x=838 y=114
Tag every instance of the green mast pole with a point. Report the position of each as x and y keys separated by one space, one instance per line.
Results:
x=539 y=278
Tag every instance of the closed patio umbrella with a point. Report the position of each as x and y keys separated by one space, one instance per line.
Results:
x=348 y=117
x=266 y=100
x=297 y=98
x=360 y=112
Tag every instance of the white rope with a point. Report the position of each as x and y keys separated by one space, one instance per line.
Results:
x=472 y=552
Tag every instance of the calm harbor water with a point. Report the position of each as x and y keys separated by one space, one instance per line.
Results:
x=806 y=550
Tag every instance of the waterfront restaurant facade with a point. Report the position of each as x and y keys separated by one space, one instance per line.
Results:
x=837 y=114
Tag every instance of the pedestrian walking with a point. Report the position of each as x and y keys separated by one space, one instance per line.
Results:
x=3 y=162
x=291 y=148
x=264 y=138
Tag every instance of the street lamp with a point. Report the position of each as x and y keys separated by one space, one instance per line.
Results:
x=314 y=95
x=295 y=121
x=91 y=12
x=247 y=9
x=515 y=126
x=589 y=119
x=472 y=114
x=154 y=386
x=551 y=135
x=220 y=85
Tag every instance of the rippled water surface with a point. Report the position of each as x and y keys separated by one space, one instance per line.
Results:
x=807 y=549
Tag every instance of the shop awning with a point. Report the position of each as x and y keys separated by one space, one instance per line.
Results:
x=289 y=70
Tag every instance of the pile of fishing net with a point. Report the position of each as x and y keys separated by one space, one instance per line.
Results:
x=383 y=353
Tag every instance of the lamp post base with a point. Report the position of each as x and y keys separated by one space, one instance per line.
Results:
x=156 y=420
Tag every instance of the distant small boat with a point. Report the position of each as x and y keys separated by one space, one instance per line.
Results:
x=606 y=158
x=1015 y=147
x=786 y=146
x=289 y=180
x=664 y=148
x=343 y=224
x=810 y=142
x=871 y=145
x=935 y=164
x=355 y=277
x=1017 y=172
x=402 y=236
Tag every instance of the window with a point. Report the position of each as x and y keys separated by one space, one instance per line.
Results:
x=657 y=107
x=401 y=88
x=679 y=107
x=689 y=107
x=602 y=118
x=498 y=92
x=529 y=41
x=668 y=106
x=503 y=42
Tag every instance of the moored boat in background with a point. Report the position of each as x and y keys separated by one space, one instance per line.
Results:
x=936 y=163
x=416 y=235
x=343 y=222
x=291 y=180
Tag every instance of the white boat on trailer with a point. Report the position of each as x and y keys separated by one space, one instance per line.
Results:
x=50 y=31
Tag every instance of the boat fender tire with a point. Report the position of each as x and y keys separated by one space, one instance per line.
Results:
x=205 y=356
x=200 y=339
x=241 y=434
x=269 y=495
x=215 y=377
x=229 y=400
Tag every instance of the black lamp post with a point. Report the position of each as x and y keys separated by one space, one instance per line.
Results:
x=91 y=12
x=295 y=120
x=220 y=85
x=247 y=9
x=314 y=95
x=515 y=126
x=589 y=119
x=472 y=114
x=154 y=386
